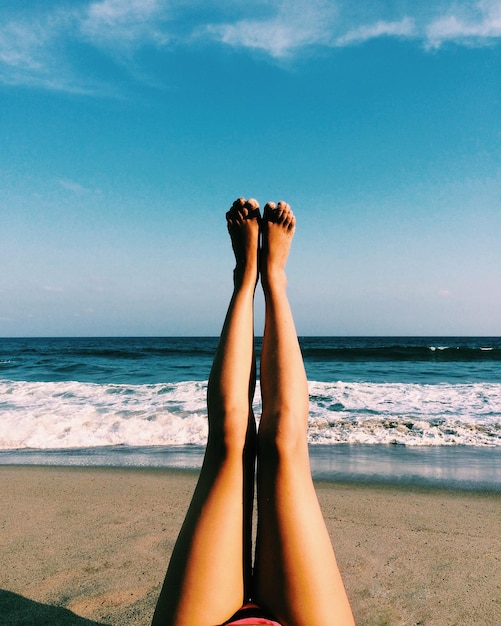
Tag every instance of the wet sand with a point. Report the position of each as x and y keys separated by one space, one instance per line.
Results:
x=87 y=546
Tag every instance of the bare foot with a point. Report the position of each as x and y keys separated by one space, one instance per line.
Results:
x=243 y=220
x=278 y=229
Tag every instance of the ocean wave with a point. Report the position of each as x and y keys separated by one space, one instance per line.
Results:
x=399 y=353
x=61 y=415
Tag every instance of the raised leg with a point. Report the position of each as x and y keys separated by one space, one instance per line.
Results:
x=210 y=564
x=296 y=574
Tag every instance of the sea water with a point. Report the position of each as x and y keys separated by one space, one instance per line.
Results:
x=390 y=408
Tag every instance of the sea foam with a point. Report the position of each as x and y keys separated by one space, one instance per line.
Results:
x=67 y=415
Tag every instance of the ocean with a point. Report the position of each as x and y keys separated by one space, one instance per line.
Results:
x=424 y=410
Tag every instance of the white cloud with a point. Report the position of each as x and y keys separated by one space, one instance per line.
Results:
x=21 y=46
x=402 y=28
x=32 y=52
x=467 y=23
x=123 y=22
x=108 y=13
x=71 y=185
x=26 y=55
x=34 y=49
x=36 y=46
x=294 y=25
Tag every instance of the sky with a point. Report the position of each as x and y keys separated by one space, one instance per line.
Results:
x=128 y=127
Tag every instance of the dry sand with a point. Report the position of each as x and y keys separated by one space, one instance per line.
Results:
x=89 y=546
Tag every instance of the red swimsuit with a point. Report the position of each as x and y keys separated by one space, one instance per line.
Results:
x=250 y=613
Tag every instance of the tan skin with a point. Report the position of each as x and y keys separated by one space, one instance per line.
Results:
x=295 y=577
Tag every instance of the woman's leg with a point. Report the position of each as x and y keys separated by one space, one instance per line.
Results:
x=210 y=564
x=296 y=575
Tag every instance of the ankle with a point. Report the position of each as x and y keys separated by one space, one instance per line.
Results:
x=274 y=280
x=244 y=280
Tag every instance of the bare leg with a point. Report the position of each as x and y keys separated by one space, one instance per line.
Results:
x=210 y=564
x=296 y=574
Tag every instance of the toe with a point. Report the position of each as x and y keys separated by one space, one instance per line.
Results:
x=269 y=211
x=237 y=211
x=283 y=210
x=252 y=206
x=252 y=203
x=238 y=205
x=289 y=219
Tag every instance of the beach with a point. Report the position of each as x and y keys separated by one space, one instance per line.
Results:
x=102 y=439
x=89 y=546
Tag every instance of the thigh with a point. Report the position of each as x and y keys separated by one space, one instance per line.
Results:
x=205 y=579
x=296 y=574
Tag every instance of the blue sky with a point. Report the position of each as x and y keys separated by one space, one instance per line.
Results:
x=128 y=128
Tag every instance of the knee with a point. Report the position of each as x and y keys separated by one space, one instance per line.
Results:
x=231 y=431
x=282 y=436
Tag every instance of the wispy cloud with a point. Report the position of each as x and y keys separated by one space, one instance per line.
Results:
x=37 y=48
x=469 y=23
x=124 y=23
x=71 y=185
x=292 y=25
x=28 y=55
x=402 y=28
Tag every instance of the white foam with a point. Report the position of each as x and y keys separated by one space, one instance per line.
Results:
x=73 y=415
x=70 y=414
x=410 y=414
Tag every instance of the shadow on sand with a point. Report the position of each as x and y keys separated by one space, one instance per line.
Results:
x=18 y=611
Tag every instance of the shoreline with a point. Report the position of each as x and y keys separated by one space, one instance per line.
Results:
x=451 y=467
x=320 y=481
x=88 y=546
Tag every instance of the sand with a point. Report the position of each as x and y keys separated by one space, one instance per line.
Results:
x=89 y=546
